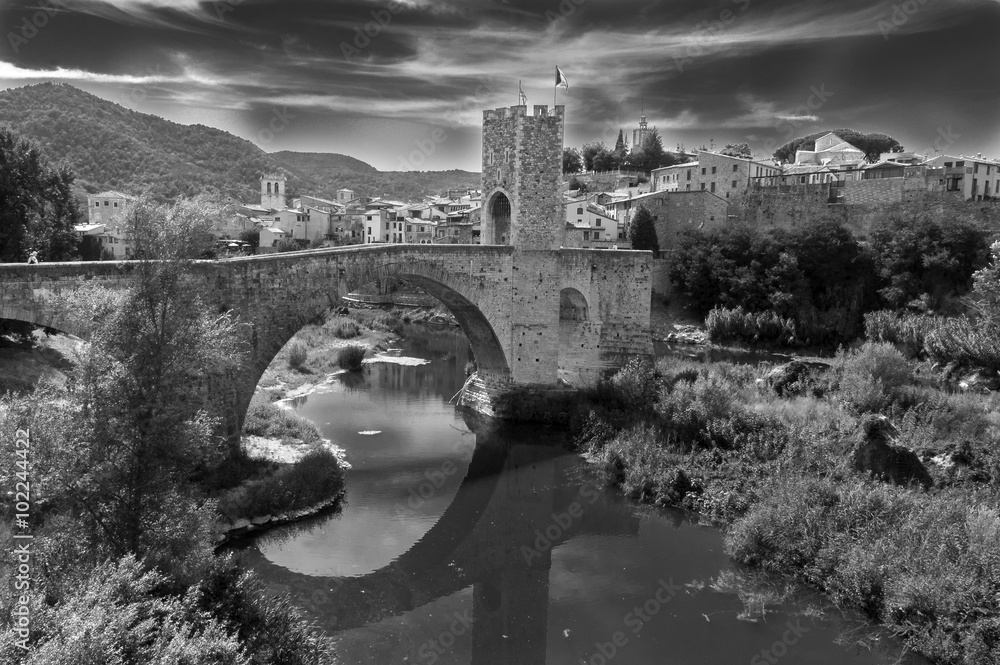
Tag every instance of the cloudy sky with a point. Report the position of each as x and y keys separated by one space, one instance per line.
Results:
x=377 y=79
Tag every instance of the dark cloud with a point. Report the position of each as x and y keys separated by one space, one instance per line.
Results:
x=370 y=77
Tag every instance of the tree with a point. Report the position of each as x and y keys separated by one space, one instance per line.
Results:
x=643 y=231
x=572 y=162
x=620 y=148
x=651 y=155
x=251 y=236
x=37 y=208
x=141 y=435
x=606 y=160
x=738 y=150
x=590 y=151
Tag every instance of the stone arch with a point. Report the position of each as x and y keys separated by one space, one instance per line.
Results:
x=573 y=305
x=455 y=293
x=500 y=212
x=269 y=188
x=578 y=336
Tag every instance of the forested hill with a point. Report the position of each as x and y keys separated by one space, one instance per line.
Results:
x=110 y=147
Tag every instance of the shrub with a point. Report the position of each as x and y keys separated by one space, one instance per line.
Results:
x=871 y=379
x=634 y=385
x=343 y=327
x=351 y=357
x=388 y=322
x=315 y=478
x=962 y=343
x=905 y=330
x=737 y=325
x=297 y=356
x=273 y=422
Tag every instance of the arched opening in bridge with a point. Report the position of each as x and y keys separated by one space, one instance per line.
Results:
x=500 y=214
x=576 y=336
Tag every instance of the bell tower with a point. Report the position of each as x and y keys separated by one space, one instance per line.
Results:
x=272 y=191
x=522 y=177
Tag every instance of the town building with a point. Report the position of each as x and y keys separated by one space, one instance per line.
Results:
x=272 y=192
x=107 y=207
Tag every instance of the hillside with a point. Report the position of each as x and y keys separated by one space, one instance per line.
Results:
x=110 y=147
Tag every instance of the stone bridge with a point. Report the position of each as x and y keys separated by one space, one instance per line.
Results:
x=540 y=318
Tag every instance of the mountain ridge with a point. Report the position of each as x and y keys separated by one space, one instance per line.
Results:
x=109 y=146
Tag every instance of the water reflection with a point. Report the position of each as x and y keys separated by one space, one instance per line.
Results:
x=467 y=543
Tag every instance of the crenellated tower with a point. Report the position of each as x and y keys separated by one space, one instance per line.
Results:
x=522 y=177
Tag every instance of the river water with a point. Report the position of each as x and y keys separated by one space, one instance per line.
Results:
x=464 y=543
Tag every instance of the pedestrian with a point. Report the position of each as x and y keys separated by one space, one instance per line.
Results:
x=33 y=257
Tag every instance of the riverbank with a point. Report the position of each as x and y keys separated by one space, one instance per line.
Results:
x=867 y=479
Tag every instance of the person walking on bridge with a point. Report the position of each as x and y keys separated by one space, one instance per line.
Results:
x=33 y=257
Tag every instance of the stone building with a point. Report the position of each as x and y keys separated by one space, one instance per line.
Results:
x=522 y=177
x=272 y=192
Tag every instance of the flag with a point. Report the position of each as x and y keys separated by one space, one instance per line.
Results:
x=561 y=79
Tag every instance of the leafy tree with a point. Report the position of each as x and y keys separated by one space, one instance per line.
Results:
x=37 y=209
x=251 y=236
x=738 y=150
x=589 y=152
x=288 y=245
x=572 y=162
x=920 y=254
x=642 y=233
x=606 y=160
x=651 y=155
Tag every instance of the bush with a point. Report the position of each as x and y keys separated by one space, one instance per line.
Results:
x=905 y=330
x=315 y=478
x=388 y=322
x=634 y=385
x=343 y=327
x=297 y=356
x=737 y=325
x=273 y=422
x=961 y=343
x=351 y=357
x=871 y=379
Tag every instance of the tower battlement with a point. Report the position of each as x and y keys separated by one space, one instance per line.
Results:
x=522 y=176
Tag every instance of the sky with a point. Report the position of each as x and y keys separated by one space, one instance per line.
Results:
x=401 y=84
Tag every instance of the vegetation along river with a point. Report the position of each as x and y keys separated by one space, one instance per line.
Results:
x=464 y=543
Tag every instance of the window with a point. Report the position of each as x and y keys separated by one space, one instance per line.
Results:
x=597 y=235
x=713 y=186
x=689 y=188
x=948 y=165
x=107 y=203
x=579 y=211
x=734 y=184
x=586 y=235
x=387 y=226
x=689 y=174
x=703 y=170
x=598 y=223
x=703 y=186
x=959 y=164
x=715 y=169
x=975 y=167
x=735 y=167
x=116 y=202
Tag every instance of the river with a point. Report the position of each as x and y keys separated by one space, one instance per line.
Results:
x=465 y=543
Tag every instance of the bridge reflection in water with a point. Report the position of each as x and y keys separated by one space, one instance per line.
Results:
x=516 y=503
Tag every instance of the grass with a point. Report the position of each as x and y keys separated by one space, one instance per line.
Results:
x=739 y=326
x=718 y=439
x=273 y=422
x=351 y=357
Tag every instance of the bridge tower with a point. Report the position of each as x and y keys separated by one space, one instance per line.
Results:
x=272 y=191
x=522 y=177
